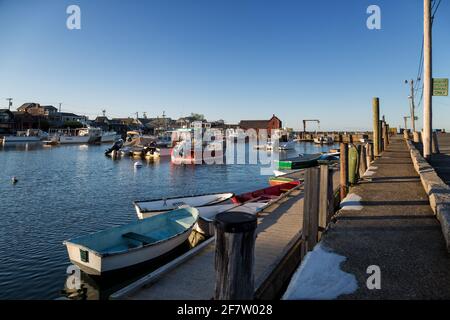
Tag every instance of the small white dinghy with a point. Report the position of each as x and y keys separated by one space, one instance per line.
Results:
x=131 y=244
x=145 y=209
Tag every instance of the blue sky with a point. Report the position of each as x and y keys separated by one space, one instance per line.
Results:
x=227 y=59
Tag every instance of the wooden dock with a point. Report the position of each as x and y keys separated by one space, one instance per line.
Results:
x=277 y=255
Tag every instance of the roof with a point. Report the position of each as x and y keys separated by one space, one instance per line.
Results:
x=254 y=124
x=68 y=114
x=27 y=105
x=101 y=119
x=49 y=107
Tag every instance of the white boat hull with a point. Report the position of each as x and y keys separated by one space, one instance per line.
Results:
x=99 y=265
x=110 y=138
x=73 y=139
x=146 y=209
x=16 y=139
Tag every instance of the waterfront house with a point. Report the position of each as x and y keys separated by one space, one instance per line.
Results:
x=273 y=123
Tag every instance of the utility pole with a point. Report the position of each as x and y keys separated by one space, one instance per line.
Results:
x=9 y=103
x=412 y=105
x=60 y=107
x=427 y=80
x=406 y=123
x=104 y=112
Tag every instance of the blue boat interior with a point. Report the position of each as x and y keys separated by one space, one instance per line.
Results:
x=140 y=233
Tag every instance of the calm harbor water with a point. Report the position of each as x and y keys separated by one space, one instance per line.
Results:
x=66 y=191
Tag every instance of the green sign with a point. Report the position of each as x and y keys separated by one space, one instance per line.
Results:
x=440 y=87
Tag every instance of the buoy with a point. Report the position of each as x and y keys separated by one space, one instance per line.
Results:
x=14 y=180
x=138 y=164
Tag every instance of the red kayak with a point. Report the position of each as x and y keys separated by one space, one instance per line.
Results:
x=266 y=194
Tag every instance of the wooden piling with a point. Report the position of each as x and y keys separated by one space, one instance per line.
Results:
x=406 y=134
x=369 y=154
x=380 y=136
x=376 y=124
x=362 y=160
x=343 y=170
x=311 y=208
x=326 y=200
x=234 y=257
x=416 y=136
x=385 y=135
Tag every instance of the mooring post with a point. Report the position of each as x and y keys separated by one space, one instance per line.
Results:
x=385 y=137
x=311 y=209
x=362 y=160
x=343 y=170
x=435 y=144
x=406 y=134
x=369 y=154
x=326 y=197
x=376 y=124
x=388 y=134
x=380 y=136
x=416 y=136
x=234 y=258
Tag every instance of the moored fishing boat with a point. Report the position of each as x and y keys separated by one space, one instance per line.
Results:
x=267 y=194
x=148 y=208
x=30 y=135
x=131 y=244
x=153 y=154
x=324 y=140
x=109 y=136
x=183 y=153
x=300 y=162
x=81 y=135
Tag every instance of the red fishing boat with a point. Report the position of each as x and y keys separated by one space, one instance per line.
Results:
x=265 y=195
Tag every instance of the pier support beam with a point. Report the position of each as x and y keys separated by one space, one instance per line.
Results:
x=369 y=154
x=235 y=258
x=376 y=126
x=311 y=209
x=435 y=143
x=362 y=160
x=343 y=170
x=326 y=200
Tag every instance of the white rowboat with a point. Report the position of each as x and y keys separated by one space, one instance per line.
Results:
x=131 y=244
x=145 y=209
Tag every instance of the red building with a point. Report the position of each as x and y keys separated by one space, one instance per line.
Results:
x=273 y=123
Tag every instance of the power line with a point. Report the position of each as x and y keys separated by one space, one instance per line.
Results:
x=436 y=9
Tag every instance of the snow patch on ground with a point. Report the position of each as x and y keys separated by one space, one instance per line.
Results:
x=320 y=277
x=351 y=202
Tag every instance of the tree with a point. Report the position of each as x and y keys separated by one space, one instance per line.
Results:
x=197 y=116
